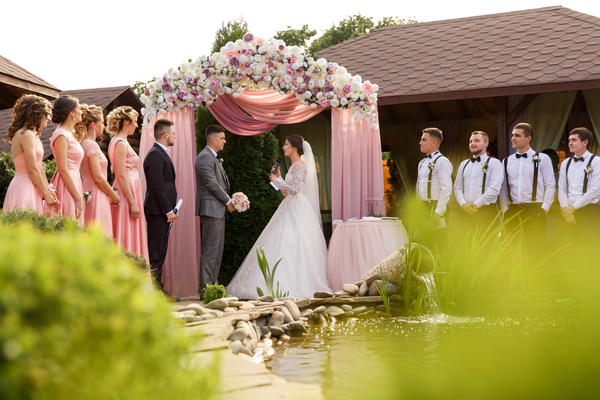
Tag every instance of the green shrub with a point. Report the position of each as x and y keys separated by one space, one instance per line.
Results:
x=247 y=161
x=40 y=222
x=214 y=292
x=79 y=322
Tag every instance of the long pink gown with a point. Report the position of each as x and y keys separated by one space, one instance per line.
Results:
x=74 y=157
x=22 y=192
x=129 y=232
x=97 y=209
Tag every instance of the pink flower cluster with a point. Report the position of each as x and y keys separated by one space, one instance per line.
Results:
x=240 y=202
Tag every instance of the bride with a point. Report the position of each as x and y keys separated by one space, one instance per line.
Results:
x=294 y=234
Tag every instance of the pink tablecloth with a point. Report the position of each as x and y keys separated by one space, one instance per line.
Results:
x=357 y=246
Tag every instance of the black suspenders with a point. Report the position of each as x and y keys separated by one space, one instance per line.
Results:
x=429 y=178
x=586 y=176
x=535 y=178
x=484 y=175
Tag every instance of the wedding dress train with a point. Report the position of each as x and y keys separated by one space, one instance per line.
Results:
x=293 y=234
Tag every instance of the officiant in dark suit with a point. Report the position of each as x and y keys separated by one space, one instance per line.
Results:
x=161 y=196
x=212 y=199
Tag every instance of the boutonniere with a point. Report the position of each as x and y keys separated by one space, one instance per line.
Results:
x=431 y=166
x=588 y=170
x=485 y=166
x=535 y=158
x=221 y=160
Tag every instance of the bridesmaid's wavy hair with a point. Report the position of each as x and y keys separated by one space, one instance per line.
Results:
x=117 y=117
x=91 y=113
x=296 y=142
x=29 y=111
x=62 y=107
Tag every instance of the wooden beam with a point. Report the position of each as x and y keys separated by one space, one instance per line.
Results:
x=484 y=110
x=7 y=98
x=29 y=86
x=514 y=113
x=427 y=112
x=382 y=99
x=502 y=126
x=389 y=111
x=464 y=111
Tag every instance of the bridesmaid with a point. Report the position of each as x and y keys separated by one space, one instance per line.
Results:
x=94 y=170
x=29 y=187
x=129 y=228
x=68 y=155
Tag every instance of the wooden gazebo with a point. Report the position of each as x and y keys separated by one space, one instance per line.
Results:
x=16 y=81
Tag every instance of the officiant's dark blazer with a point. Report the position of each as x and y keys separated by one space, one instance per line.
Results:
x=161 y=193
x=212 y=185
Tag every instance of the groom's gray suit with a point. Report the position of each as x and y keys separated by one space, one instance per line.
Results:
x=212 y=188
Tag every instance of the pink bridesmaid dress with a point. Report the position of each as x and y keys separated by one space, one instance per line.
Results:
x=22 y=192
x=129 y=232
x=97 y=209
x=74 y=157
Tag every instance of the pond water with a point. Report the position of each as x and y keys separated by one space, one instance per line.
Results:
x=442 y=357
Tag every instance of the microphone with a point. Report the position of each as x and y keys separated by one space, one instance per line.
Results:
x=277 y=162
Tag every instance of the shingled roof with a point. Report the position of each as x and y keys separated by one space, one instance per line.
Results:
x=16 y=81
x=483 y=56
x=102 y=97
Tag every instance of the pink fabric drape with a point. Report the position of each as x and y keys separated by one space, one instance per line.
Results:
x=355 y=166
x=270 y=106
x=235 y=120
x=267 y=109
x=181 y=268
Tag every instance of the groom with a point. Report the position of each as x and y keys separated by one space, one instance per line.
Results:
x=212 y=200
x=161 y=196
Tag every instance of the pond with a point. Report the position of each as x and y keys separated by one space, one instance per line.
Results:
x=445 y=357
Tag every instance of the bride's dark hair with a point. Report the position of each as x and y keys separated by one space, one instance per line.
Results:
x=296 y=141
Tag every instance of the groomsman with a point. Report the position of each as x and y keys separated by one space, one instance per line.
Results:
x=434 y=180
x=579 y=185
x=478 y=184
x=528 y=186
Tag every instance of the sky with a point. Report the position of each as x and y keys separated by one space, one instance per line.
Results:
x=84 y=45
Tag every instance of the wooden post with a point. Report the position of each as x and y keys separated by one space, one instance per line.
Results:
x=501 y=127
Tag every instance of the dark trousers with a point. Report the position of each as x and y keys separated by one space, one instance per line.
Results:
x=586 y=229
x=482 y=219
x=213 y=239
x=158 y=243
x=533 y=219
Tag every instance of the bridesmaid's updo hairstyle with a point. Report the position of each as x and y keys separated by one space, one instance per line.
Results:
x=28 y=113
x=296 y=142
x=91 y=113
x=117 y=117
x=62 y=107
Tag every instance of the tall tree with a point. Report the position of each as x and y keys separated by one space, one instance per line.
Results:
x=296 y=37
x=229 y=32
x=350 y=28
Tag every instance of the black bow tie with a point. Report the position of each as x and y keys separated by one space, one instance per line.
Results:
x=478 y=159
x=578 y=159
x=524 y=155
x=429 y=156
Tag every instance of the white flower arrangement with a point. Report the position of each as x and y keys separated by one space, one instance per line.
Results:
x=260 y=64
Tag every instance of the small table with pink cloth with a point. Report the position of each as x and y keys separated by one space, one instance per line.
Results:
x=356 y=246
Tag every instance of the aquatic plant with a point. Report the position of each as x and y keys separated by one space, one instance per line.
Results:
x=383 y=293
x=269 y=275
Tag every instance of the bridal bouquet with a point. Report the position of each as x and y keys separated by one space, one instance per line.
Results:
x=240 y=202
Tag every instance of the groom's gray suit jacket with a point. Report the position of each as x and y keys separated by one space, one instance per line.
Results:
x=212 y=185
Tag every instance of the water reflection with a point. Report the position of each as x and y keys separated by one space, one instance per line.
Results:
x=356 y=358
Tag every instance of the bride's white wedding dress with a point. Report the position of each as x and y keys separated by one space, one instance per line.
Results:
x=294 y=234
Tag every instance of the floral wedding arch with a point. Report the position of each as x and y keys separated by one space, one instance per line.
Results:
x=273 y=84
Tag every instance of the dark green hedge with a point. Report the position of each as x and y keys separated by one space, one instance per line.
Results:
x=247 y=161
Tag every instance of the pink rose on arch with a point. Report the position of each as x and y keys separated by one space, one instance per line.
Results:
x=213 y=93
x=182 y=92
x=165 y=78
x=281 y=47
x=368 y=88
x=248 y=37
x=216 y=85
x=294 y=82
x=260 y=41
x=166 y=87
x=206 y=72
x=171 y=99
x=234 y=62
x=324 y=103
x=199 y=99
x=186 y=80
x=147 y=93
x=180 y=97
x=329 y=88
x=346 y=88
x=194 y=93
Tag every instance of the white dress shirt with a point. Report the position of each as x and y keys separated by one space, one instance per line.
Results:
x=573 y=195
x=165 y=148
x=520 y=179
x=469 y=181
x=441 y=180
